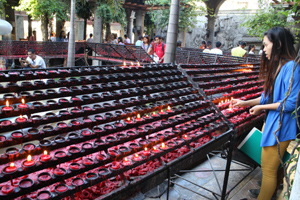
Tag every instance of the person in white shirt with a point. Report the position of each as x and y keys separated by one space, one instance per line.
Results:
x=139 y=42
x=208 y=47
x=90 y=39
x=127 y=40
x=251 y=49
x=33 y=61
x=217 y=50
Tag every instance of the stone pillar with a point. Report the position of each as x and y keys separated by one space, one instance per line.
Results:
x=97 y=34
x=210 y=29
x=130 y=17
x=139 y=23
x=19 y=27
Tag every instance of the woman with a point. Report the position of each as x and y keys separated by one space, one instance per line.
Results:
x=120 y=41
x=61 y=37
x=146 y=44
x=276 y=69
x=251 y=49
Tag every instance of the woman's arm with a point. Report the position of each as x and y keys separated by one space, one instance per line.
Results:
x=256 y=110
x=241 y=103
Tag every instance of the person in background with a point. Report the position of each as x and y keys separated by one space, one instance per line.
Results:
x=52 y=38
x=217 y=50
x=239 y=51
x=146 y=45
x=208 y=47
x=127 y=40
x=276 y=69
x=61 y=37
x=90 y=39
x=120 y=41
x=114 y=39
x=33 y=61
x=261 y=50
x=159 y=49
x=178 y=48
x=139 y=42
x=203 y=46
x=251 y=49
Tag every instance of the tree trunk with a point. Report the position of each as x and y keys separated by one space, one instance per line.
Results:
x=29 y=26
x=71 y=46
x=59 y=27
x=44 y=27
x=108 y=31
x=170 y=54
x=84 y=29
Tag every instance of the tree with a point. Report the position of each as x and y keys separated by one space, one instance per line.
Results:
x=189 y=11
x=84 y=10
x=2 y=7
x=44 y=10
x=111 y=11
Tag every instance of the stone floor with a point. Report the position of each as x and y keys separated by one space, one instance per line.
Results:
x=208 y=180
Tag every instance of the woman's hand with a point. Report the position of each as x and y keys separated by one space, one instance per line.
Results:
x=237 y=103
x=256 y=110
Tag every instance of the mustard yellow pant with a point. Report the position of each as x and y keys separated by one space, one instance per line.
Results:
x=269 y=165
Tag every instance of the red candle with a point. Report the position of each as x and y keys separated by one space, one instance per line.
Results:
x=163 y=146
x=5 y=123
x=169 y=110
x=86 y=133
x=77 y=182
x=45 y=157
x=154 y=114
x=61 y=188
x=129 y=121
x=17 y=135
x=155 y=150
x=87 y=162
x=138 y=118
x=185 y=137
x=147 y=117
x=146 y=152
x=29 y=162
x=11 y=168
x=7 y=108
x=21 y=119
x=74 y=166
x=161 y=112
x=23 y=105
x=44 y=195
x=137 y=157
x=126 y=162
x=62 y=125
x=124 y=64
x=138 y=64
x=6 y=189
x=132 y=65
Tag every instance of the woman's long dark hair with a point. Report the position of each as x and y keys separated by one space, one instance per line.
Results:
x=60 y=34
x=282 y=52
x=146 y=36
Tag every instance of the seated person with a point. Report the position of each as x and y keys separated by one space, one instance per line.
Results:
x=33 y=61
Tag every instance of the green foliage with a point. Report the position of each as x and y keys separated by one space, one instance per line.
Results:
x=84 y=9
x=2 y=4
x=149 y=24
x=110 y=13
x=40 y=8
x=189 y=11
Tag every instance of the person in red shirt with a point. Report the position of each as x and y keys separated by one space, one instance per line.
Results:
x=159 y=49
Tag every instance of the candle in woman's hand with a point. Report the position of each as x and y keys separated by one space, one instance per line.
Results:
x=45 y=157
x=29 y=162
x=146 y=152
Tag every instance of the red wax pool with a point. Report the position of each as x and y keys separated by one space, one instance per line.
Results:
x=154 y=114
x=2 y=138
x=115 y=165
x=87 y=162
x=23 y=106
x=137 y=157
x=61 y=188
x=29 y=162
x=77 y=182
x=87 y=146
x=126 y=162
x=25 y=183
x=59 y=171
x=60 y=154
x=62 y=125
x=85 y=133
x=44 y=195
x=6 y=189
x=76 y=123
x=17 y=135
x=5 y=123
x=7 y=108
x=155 y=150
x=74 y=166
x=87 y=120
x=118 y=124
x=44 y=177
x=28 y=147
x=10 y=169
x=146 y=152
x=45 y=157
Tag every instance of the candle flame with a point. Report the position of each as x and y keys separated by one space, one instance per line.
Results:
x=124 y=63
x=45 y=152
x=136 y=155
x=138 y=116
x=29 y=158
x=146 y=149
x=169 y=108
x=154 y=148
x=7 y=103
x=231 y=98
x=138 y=63
x=23 y=101
x=12 y=164
x=21 y=116
x=163 y=145
x=126 y=159
x=131 y=63
x=147 y=115
x=161 y=110
x=128 y=119
x=222 y=101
